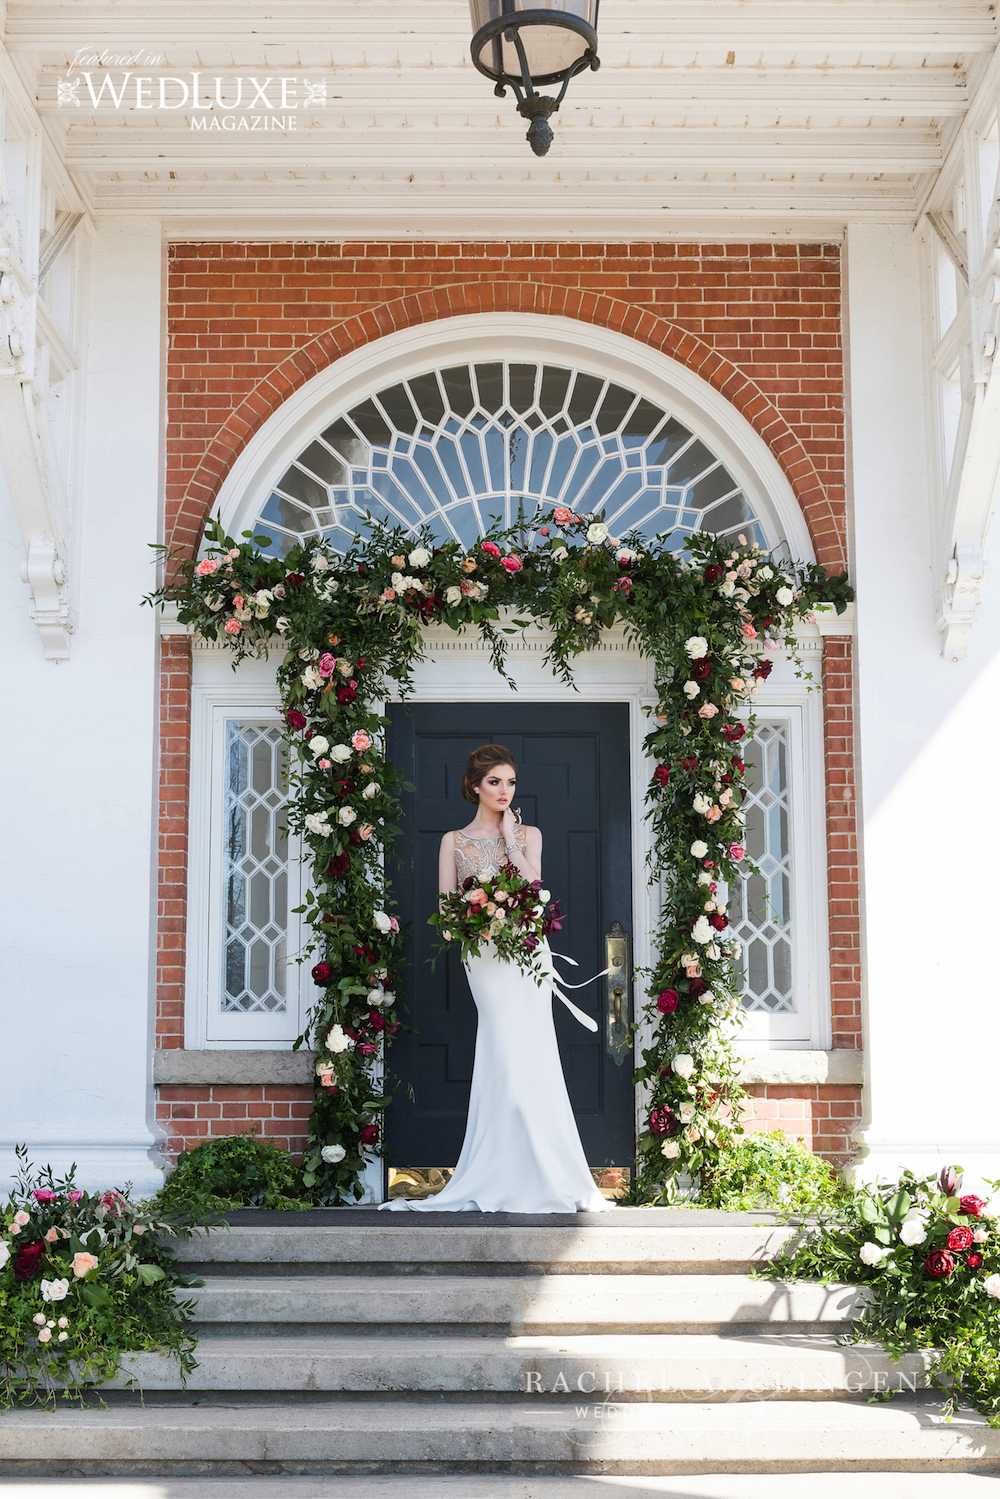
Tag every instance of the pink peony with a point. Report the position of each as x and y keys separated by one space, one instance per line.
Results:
x=492 y=548
x=511 y=564
x=45 y=1194
x=206 y=568
x=233 y=627
x=326 y=664
x=361 y=741
x=736 y=853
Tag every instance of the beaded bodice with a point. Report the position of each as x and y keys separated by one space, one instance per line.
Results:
x=475 y=854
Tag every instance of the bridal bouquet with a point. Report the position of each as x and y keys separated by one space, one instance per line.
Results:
x=507 y=910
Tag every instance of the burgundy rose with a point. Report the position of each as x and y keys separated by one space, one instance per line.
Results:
x=322 y=973
x=662 y=1122
x=939 y=1263
x=732 y=732
x=295 y=719
x=737 y=765
x=701 y=669
x=661 y=775
x=763 y=669
x=698 y=986
x=469 y=881
x=363 y=571
x=689 y=764
x=376 y=1021
x=338 y=866
x=355 y=837
x=960 y=1239
x=369 y=1135
x=348 y=694
x=293 y=580
x=719 y=921
x=713 y=573
x=974 y=1206
x=667 y=1002
x=27 y=1261
x=974 y=1260
x=347 y=788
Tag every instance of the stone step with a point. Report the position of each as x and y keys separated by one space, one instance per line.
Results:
x=592 y=1438
x=393 y=1243
x=665 y=1367
x=521 y=1304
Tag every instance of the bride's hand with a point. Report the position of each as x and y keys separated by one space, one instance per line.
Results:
x=508 y=827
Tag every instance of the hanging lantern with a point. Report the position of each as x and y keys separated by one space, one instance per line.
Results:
x=522 y=44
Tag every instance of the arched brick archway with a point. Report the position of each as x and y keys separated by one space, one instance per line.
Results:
x=825 y=528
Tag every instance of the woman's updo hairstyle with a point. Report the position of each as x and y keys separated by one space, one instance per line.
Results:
x=480 y=763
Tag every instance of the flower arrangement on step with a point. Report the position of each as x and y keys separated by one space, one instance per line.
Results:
x=507 y=910
x=84 y=1279
x=929 y=1258
x=349 y=625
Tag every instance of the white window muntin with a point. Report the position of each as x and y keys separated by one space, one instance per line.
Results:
x=211 y=1020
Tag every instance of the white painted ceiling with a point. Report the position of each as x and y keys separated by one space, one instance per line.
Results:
x=729 y=116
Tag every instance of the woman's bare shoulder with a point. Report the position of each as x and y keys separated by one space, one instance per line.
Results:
x=448 y=841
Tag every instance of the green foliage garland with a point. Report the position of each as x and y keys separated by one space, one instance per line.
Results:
x=84 y=1279
x=352 y=624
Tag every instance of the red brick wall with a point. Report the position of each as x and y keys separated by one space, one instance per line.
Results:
x=250 y=323
x=821 y=1114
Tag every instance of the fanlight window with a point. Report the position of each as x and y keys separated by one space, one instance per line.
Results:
x=452 y=448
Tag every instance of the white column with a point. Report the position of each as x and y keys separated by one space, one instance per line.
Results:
x=927 y=730
x=78 y=754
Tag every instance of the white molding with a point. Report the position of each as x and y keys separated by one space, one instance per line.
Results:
x=523 y=335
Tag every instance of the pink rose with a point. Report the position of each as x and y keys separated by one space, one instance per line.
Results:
x=394 y=924
x=714 y=814
x=44 y=1194
x=233 y=627
x=693 y=971
x=368 y=1047
x=544 y=531
x=83 y=1263
x=73 y=1196
x=707 y=710
x=749 y=630
x=206 y=568
x=387 y=595
x=736 y=853
x=324 y=764
x=492 y=548
x=476 y=897
x=511 y=564
x=361 y=741
x=21 y=1219
x=561 y=515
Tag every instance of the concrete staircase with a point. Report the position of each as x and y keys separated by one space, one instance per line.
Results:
x=572 y=1351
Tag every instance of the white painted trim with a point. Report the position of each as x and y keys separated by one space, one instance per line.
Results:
x=481 y=336
x=205 y=1027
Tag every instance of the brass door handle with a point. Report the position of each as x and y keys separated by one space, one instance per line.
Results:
x=618 y=1008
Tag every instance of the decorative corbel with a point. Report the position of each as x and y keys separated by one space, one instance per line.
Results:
x=960 y=606
x=26 y=450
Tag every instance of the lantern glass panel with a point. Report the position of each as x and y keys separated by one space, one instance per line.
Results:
x=549 y=49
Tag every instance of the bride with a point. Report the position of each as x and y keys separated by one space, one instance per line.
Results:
x=522 y=1150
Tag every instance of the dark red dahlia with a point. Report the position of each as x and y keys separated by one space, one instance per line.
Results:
x=697 y=986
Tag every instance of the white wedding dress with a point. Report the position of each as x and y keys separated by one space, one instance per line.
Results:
x=522 y=1150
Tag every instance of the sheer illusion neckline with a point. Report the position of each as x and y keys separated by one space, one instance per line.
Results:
x=475 y=854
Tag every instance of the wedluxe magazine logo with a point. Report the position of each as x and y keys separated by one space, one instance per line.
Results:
x=210 y=102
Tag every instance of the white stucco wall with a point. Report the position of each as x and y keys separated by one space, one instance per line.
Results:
x=928 y=743
x=77 y=761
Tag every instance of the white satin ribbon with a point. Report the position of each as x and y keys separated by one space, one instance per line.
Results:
x=550 y=978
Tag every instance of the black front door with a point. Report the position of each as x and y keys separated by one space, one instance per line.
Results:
x=573 y=783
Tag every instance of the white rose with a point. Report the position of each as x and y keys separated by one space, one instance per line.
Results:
x=683 y=1065
x=325 y=1069
x=705 y=877
x=707 y=998
x=215 y=602
x=991 y=1285
x=312 y=679
x=388 y=999
x=672 y=1150
x=4 y=1252
x=346 y=816
x=453 y=595
x=316 y=823
x=696 y=647
x=559 y=554
x=727 y=589
x=319 y=563
x=871 y=1254
x=912 y=1231
x=341 y=753
x=980 y=1235
x=712 y=951
x=54 y=1290
x=262 y=601
x=544 y=895
x=784 y=597
x=689 y=960
x=375 y=996
x=597 y=533
x=701 y=931
x=336 y=1040
x=370 y=790
x=691 y=689
x=699 y=849
x=345 y=668
x=397 y=582
x=702 y=803
x=333 y=1154
x=625 y=554
x=382 y=921
x=281 y=624
x=419 y=557
x=318 y=745
x=765 y=573
x=686 y=1112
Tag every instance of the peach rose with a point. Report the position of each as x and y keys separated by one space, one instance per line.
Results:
x=707 y=710
x=83 y=1263
x=476 y=897
x=365 y=831
x=52 y=1236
